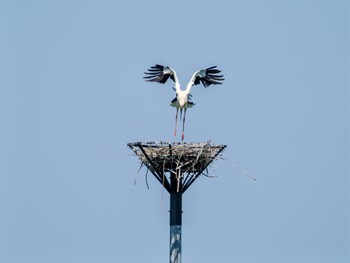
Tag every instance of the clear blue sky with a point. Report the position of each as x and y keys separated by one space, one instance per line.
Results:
x=72 y=96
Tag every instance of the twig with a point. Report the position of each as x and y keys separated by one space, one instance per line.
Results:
x=147 y=179
x=138 y=172
x=239 y=169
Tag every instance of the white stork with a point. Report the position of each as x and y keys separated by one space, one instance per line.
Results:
x=161 y=74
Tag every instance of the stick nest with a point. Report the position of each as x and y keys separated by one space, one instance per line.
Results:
x=185 y=160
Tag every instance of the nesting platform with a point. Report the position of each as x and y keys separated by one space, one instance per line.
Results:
x=180 y=162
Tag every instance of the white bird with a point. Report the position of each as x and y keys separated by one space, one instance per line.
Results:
x=161 y=74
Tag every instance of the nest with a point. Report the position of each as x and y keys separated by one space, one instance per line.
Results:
x=176 y=165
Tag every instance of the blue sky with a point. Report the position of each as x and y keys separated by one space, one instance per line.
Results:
x=72 y=96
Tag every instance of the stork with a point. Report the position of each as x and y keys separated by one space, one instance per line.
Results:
x=182 y=101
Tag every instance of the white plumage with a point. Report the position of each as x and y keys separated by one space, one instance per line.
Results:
x=161 y=74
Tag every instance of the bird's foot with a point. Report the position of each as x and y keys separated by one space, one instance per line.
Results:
x=183 y=136
x=175 y=133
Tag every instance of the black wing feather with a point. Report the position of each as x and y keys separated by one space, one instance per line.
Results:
x=159 y=73
x=208 y=77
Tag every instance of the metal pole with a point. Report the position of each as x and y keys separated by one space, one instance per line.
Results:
x=175 y=227
x=177 y=158
x=175 y=220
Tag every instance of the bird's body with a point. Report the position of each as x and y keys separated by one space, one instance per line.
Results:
x=161 y=74
x=182 y=99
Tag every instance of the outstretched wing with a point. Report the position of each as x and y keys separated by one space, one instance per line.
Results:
x=207 y=77
x=160 y=74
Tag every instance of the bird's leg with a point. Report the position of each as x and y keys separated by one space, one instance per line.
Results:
x=181 y=113
x=181 y=109
x=183 y=125
x=177 y=111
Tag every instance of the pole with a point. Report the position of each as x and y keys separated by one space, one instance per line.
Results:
x=176 y=159
x=175 y=221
